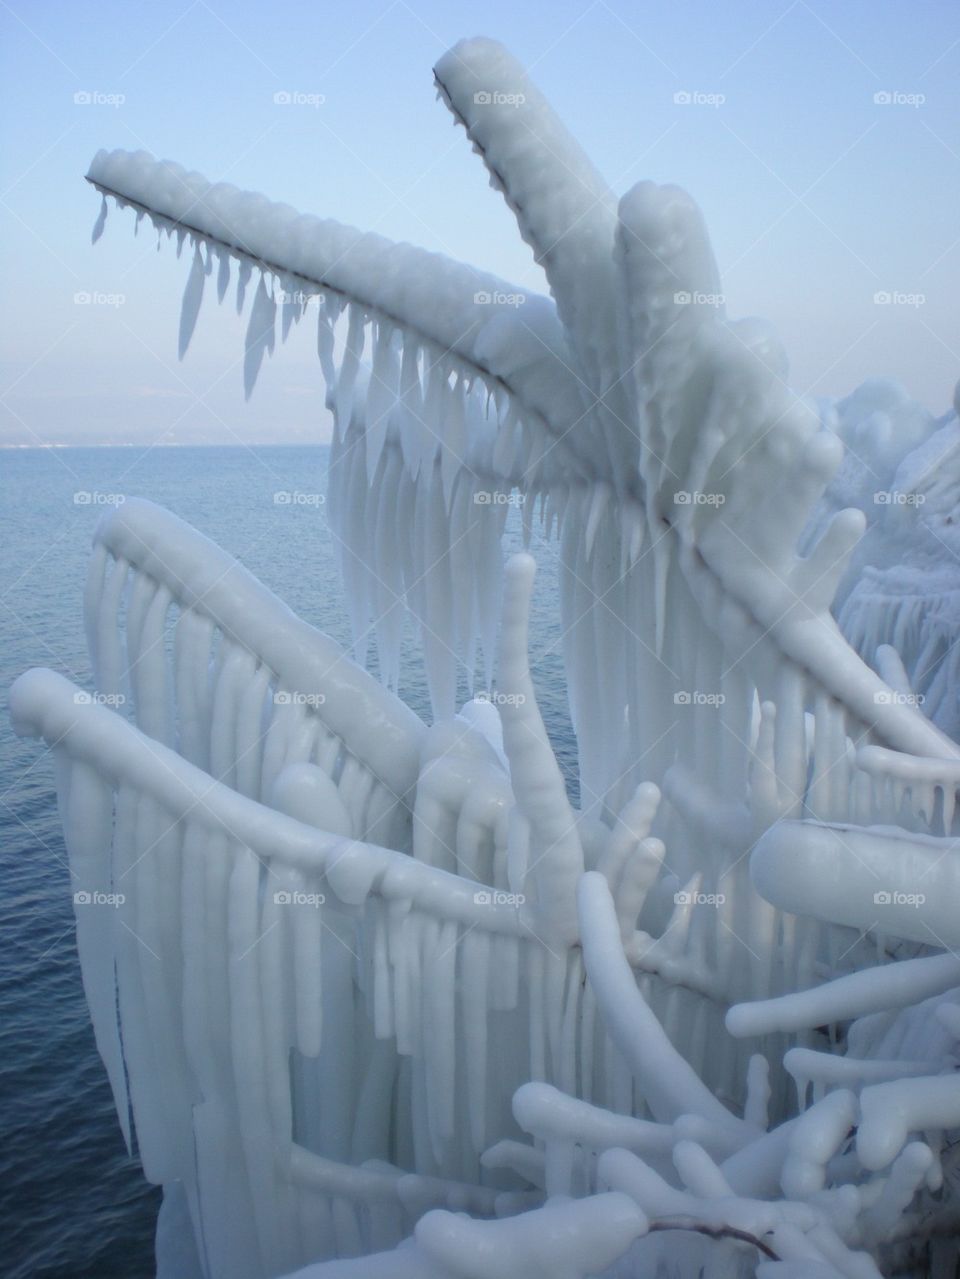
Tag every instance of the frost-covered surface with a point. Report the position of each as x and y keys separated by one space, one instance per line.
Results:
x=902 y=586
x=398 y=1001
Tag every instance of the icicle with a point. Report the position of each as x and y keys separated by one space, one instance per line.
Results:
x=87 y=831
x=325 y=349
x=518 y=850
x=662 y=557
x=506 y=444
x=349 y=366
x=260 y=335
x=453 y=440
x=463 y=573
x=223 y=275
x=249 y=732
x=389 y=578
x=109 y=671
x=243 y=278
x=433 y=540
x=101 y=221
x=381 y=397
x=441 y=1045
x=476 y=975
x=291 y=306
x=382 y=985
x=192 y=298
x=131 y=845
x=430 y=422
x=411 y=405
x=398 y=944
x=247 y=1045
x=599 y=501
x=306 y=906
x=536 y=998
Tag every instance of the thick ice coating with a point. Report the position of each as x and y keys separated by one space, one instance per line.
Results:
x=375 y=997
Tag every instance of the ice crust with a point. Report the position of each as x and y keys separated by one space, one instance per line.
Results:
x=377 y=999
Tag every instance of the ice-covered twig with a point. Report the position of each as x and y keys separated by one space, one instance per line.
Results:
x=556 y=853
x=665 y=1080
x=864 y=877
x=855 y=995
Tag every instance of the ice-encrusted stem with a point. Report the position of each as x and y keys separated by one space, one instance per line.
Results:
x=556 y=853
x=855 y=995
x=563 y=1240
x=565 y=211
x=551 y=1115
x=44 y=704
x=890 y=1112
x=426 y=294
x=203 y=578
x=667 y=1082
x=567 y=214
x=814 y=1139
x=866 y=877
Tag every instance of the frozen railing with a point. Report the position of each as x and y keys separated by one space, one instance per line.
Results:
x=913 y=791
x=245 y=689
x=284 y=1004
x=222 y=671
x=322 y=1039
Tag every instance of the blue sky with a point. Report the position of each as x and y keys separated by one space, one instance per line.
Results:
x=817 y=197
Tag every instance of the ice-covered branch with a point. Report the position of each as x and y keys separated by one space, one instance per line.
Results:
x=564 y=209
x=556 y=856
x=873 y=877
x=666 y=1082
x=432 y=297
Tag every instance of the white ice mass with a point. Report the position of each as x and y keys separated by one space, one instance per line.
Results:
x=378 y=1002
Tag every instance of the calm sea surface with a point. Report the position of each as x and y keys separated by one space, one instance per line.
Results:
x=73 y=1205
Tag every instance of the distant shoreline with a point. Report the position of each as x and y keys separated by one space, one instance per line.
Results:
x=142 y=444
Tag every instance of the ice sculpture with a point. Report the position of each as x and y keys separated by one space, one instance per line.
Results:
x=379 y=1000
